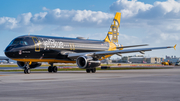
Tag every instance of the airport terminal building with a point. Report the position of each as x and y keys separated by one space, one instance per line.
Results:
x=145 y=60
x=172 y=59
x=140 y=59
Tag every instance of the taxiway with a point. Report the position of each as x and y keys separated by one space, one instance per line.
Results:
x=104 y=85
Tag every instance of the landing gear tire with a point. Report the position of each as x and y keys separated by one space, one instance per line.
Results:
x=87 y=70
x=27 y=71
x=54 y=69
x=50 y=69
x=93 y=70
x=27 y=68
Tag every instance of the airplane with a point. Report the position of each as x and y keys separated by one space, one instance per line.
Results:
x=31 y=50
x=4 y=58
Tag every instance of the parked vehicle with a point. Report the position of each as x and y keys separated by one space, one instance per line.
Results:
x=177 y=64
x=167 y=63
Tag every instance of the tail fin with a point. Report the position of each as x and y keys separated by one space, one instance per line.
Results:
x=113 y=33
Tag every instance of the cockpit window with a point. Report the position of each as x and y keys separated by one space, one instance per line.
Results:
x=23 y=43
x=14 y=43
x=20 y=41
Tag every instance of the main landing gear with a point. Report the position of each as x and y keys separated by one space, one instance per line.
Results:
x=52 y=68
x=93 y=70
x=27 y=69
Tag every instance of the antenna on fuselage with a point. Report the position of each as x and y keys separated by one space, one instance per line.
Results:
x=29 y=33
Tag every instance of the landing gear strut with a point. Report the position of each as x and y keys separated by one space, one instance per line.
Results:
x=27 y=69
x=52 y=68
x=93 y=70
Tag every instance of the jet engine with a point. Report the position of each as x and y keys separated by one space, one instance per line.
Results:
x=87 y=62
x=23 y=64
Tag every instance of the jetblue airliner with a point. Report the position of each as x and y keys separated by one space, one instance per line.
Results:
x=30 y=50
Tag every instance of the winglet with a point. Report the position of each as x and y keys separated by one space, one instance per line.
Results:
x=175 y=46
x=121 y=48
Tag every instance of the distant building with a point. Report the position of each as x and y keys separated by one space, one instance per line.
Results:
x=145 y=60
x=136 y=59
x=139 y=59
x=172 y=59
x=124 y=59
x=107 y=61
x=154 y=60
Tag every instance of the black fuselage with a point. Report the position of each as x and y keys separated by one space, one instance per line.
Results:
x=51 y=49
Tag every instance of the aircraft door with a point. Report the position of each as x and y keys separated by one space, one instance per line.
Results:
x=37 y=44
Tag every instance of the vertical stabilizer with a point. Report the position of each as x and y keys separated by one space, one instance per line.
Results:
x=113 y=33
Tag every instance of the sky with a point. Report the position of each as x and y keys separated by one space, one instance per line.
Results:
x=152 y=22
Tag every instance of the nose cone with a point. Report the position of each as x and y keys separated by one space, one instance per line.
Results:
x=7 y=54
x=8 y=48
x=8 y=51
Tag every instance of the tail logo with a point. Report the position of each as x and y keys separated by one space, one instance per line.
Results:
x=113 y=33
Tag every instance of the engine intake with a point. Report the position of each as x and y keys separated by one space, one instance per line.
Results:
x=23 y=64
x=87 y=62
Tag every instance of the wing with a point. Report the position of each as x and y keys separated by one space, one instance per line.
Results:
x=131 y=46
x=103 y=53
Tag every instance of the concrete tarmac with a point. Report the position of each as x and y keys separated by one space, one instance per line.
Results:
x=104 y=85
x=42 y=67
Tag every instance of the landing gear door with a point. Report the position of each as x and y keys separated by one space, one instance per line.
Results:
x=37 y=44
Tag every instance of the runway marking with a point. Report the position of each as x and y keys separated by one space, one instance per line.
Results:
x=3 y=75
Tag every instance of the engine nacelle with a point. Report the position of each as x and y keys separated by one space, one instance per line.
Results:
x=87 y=62
x=23 y=64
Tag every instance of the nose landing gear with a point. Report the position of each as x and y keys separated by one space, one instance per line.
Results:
x=27 y=69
